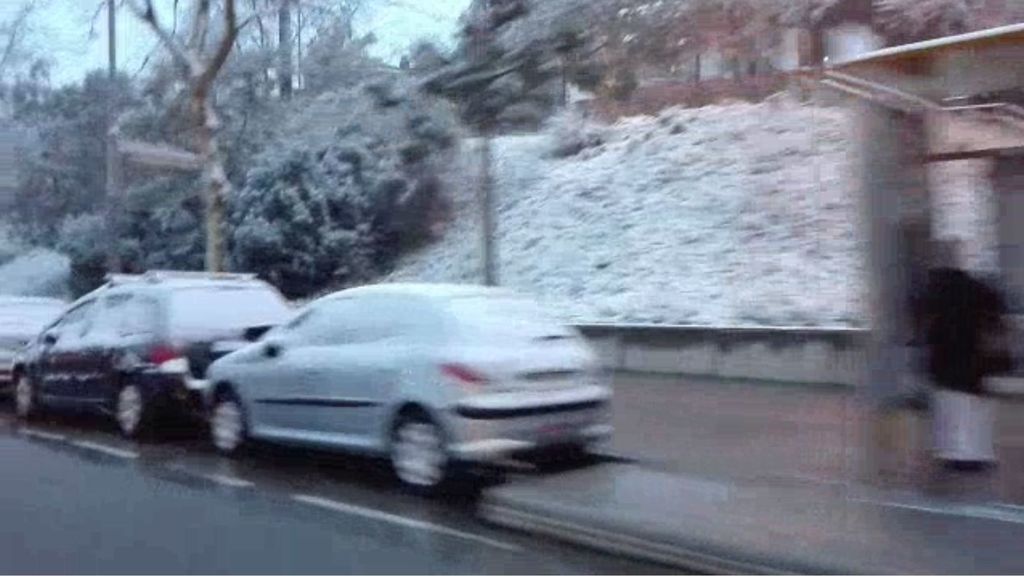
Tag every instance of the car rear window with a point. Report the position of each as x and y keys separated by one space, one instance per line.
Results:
x=506 y=317
x=224 y=310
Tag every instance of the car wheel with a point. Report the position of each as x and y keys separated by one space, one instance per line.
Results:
x=24 y=397
x=228 y=427
x=131 y=411
x=418 y=454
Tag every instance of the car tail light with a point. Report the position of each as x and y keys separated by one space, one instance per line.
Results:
x=463 y=375
x=169 y=360
x=162 y=353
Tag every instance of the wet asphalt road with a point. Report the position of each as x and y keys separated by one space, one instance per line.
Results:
x=75 y=497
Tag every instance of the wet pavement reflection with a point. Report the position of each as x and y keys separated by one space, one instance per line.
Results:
x=78 y=498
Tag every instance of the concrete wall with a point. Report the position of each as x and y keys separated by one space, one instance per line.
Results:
x=799 y=355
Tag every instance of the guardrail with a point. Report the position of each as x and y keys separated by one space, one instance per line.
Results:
x=784 y=354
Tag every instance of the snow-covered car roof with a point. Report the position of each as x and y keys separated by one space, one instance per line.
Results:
x=424 y=289
x=21 y=300
x=26 y=315
x=176 y=281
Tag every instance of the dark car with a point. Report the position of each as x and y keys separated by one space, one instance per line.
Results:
x=138 y=347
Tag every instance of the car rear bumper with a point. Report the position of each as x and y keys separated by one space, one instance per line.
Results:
x=494 y=449
x=171 y=392
x=494 y=427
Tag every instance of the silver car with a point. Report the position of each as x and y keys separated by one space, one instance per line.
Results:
x=429 y=376
x=21 y=320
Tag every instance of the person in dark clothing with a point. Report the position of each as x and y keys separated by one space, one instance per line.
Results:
x=962 y=317
x=953 y=330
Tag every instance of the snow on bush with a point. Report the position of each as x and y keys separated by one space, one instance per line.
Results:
x=37 y=273
x=10 y=245
x=84 y=239
x=729 y=214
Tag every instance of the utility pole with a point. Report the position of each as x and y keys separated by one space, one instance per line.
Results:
x=298 y=46
x=485 y=190
x=113 y=162
x=284 y=46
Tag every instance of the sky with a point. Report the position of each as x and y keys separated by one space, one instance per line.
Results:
x=73 y=34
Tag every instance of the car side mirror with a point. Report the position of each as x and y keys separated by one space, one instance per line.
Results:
x=50 y=338
x=272 y=349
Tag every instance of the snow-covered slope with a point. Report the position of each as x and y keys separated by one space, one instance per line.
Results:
x=731 y=214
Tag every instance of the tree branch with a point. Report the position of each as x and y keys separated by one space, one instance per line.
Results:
x=147 y=14
x=227 y=42
x=259 y=23
x=17 y=29
x=200 y=28
x=95 y=16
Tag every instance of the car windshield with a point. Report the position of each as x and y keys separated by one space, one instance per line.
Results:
x=506 y=318
x=208 y=311
x=26 y=317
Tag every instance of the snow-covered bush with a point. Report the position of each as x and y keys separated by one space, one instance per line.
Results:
x=910 y=20
x=570 y=132
x=11 y=245
x=305 y=218
x=83 y=239
x=37 y=273
x=163 y=226
x=353 y=184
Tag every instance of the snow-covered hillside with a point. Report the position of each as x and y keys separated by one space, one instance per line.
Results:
x=731 y=214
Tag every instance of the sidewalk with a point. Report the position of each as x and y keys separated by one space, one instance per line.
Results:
x=737 y=430
x=785 y=434
x=723 y=527
x=741 y=477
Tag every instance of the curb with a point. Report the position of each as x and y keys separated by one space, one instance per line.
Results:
x=686 y=558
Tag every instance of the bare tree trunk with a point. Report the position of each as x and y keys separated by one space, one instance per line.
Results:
x=201 y=74
x=217 y=184
x=284 y=47
x=487 y=212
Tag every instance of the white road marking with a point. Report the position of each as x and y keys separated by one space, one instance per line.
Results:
x=104 y=449
x=998 y=513
x=228 y=481
x=43 y=435
x=400 y=520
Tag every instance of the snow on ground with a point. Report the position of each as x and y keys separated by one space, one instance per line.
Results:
x=729 y=214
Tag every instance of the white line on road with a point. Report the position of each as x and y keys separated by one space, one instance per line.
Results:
x=43 y=435
x=223 y=479
x=228 y=481
x=104 y=449
x=400 y=520
x=980 y=512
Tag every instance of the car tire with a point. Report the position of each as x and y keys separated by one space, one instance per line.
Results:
x=419 y=455
x=229 y=427
x=25 y=400
x=132 y=411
